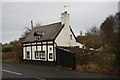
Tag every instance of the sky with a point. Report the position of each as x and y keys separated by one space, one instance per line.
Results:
x=83 y=15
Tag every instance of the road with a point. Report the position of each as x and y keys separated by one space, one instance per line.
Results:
x=44 y=72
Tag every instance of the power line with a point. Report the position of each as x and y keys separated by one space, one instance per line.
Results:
x=15 y=10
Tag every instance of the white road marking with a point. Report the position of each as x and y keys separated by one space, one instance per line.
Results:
x=12 y=72
x=40 y=78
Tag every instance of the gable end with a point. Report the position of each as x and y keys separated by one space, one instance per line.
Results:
x=73 y=33
x=59 y=32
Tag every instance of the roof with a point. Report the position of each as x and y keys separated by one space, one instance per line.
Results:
x=73 y=33
x=77 y=51
x=48 y=32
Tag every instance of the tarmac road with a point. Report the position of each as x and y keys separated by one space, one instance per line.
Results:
x=38 y=72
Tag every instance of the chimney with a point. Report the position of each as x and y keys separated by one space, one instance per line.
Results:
x=31 y=24
x=65 y=18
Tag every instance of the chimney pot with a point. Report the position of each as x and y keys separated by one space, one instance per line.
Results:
x=32 y=24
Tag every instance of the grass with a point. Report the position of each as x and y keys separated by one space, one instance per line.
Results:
x=10 y=60
x=9 y=57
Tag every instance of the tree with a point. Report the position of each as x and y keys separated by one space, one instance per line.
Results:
x=17 y=49
x=94 y=37
x=91 y=39
x=110 y=32
x=26 y=33
x=107 y=32
x=117 y=38
x=12 y=49
x=6 y=48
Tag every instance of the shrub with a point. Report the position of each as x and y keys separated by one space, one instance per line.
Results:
x=6 y=55
x=97 y=68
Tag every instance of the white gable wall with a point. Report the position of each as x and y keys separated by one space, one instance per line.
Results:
x=64 y=38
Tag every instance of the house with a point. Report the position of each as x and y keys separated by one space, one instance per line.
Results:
x=42 y=42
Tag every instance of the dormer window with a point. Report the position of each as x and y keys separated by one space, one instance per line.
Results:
x=41 y=34
x=38 y=35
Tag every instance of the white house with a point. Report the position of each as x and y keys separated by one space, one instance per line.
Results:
x=41 y=42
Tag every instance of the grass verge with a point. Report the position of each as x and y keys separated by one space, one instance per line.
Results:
x=12 y=60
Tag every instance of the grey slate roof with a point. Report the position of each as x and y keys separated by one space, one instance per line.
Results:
x=50 y=32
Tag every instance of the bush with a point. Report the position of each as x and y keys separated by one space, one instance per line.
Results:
x=103 y=58
x=100 y=63
x=9 y=55
x=97 y=68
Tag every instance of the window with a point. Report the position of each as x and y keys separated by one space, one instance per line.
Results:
x=42 y=54
x=37 y=35
x=28 y=54
x=36 y=55
x=36 y=38
x=71 y=37
x=50 y=56
x=50 y=48
x=83 y=47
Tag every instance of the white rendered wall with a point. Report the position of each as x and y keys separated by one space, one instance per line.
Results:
x=24 y=51
x=50 y=51
x=80 y=45
x=33 y=52
x=63 y=39
x=44 y=49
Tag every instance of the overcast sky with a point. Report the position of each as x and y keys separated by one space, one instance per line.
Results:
x=83 y=15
